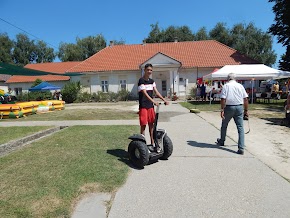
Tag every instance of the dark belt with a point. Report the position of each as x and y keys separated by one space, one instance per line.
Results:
x=234 y=105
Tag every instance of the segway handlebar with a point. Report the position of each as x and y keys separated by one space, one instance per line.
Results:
x=157 y=107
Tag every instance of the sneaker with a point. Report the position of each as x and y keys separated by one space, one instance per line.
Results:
x=158 y=149
x=151 y=148
x=219 y=142
x=241 y=152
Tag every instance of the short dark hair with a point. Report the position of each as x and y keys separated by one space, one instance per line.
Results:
x=148 y=65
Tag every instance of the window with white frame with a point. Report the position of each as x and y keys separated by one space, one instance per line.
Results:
x=18 y=91
x=105 y=85
x=123 y=84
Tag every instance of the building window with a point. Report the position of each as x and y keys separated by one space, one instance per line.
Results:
x=123 y=84
x=164 y=85
x=105 y=86
x=18 y=91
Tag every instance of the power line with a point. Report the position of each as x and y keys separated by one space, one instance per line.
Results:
x=26 y=32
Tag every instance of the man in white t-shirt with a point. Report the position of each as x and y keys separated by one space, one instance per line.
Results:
x=234 y=104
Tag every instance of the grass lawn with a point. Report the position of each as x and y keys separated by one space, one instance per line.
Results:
x=81 y=114
x=47 y=177
x=11 y=133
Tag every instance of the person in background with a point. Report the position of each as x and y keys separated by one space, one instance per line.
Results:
x=234 y=104
x=203 y=91
x=276 y=87
x=146 y=87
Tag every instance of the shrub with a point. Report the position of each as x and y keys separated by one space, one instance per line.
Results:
x=123 y=95
x=70 y=91
x=84 y=97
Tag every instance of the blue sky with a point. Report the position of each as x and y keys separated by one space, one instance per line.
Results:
x=57 y=21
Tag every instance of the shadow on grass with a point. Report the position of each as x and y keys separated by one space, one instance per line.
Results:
x=206 y=145
x=122 y=156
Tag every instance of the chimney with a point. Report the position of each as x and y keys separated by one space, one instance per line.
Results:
x=144 y=42
x=175 y=39
x=111 y=43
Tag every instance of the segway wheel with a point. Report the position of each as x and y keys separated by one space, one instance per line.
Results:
x=138 y=153
x=168 y=148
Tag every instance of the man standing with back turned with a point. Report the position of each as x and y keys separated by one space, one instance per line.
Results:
x=146 y=87
x=234 y=104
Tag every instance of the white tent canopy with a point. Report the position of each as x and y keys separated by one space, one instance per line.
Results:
x=248 y=72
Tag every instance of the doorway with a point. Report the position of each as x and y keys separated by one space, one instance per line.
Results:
x=164 y=88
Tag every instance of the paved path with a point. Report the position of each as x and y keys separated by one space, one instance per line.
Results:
x=199 y=179
x=202 y=180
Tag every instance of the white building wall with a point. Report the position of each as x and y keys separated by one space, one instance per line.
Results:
x=26 y=86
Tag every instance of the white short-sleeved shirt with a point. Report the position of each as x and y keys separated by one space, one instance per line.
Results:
x=234 y=93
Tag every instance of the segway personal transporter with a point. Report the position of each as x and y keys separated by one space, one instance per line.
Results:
x=141 y=154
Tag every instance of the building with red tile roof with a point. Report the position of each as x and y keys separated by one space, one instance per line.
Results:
x=177 y=65
x=57 y=67
x=3 y=79
x=23 y=83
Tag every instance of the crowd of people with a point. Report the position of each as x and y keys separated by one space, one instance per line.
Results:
x=206 y=92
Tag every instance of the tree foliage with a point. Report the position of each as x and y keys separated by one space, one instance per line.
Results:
x=36 y=82
x=247 y=39
x=201 y=34
x=23 y=51
x=221 y=33
x=170 y=34
x=281 y=29
x=252 y=42
x=284 y=62
x=44 y=53
x=6 y=46
x=83 y=49
x=70 y=91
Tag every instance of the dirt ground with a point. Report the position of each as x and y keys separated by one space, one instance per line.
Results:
x=267 y=140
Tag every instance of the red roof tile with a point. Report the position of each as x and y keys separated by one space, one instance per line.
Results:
x=57 y=67
x=208 y=53
x=48 y=78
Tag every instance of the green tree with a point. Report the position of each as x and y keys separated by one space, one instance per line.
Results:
x=284 y=62
x=44 y=53
x=119 y=42
x=69 y=52
x=281 y=29
x=221 y=33
x=91 y=45
x=24 y=50
x=6 y=46
x=155 y=34
x=171 y=33
x=36 y=82
x=83 y=49
x=252 y=42
x=70 y=91
x=182 y=33
x=201 y=34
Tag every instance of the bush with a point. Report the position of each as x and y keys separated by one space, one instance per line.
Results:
x=71 y=91
x=34 y=96
x=84 y=97
x=123 y=95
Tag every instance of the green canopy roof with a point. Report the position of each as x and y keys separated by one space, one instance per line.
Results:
x=11 y=69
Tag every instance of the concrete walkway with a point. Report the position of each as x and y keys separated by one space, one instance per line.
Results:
x=199 y=179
